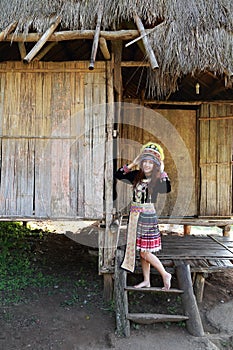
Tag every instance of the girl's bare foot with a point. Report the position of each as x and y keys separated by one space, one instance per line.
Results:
x=167 y=281
x=143 y=284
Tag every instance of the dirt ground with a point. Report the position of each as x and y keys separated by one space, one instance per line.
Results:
x=72 y=315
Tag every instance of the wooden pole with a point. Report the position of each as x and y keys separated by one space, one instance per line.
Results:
x=44 y=51
x=194 y=324
x=187 y=229
x=76 y=35
x=199 y=285
x=109 y=244
x=121 y=298
x=104 y=48
x=96 y=38
x=117 y=76
x=22 y=50
x=8 y=30
x=41 y=41
x=147 y=46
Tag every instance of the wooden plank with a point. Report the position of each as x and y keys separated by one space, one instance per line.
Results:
x=154 y=290
x=155 y=318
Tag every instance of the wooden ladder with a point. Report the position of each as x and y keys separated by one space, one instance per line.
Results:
x=123 y=317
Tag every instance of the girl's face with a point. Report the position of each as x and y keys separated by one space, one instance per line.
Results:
x=147 y=167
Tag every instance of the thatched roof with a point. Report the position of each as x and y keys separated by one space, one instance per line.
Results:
x=191 y=36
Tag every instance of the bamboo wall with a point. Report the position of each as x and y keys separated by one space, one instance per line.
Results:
x=52 y=135
x=198 y=156
x=216 y=142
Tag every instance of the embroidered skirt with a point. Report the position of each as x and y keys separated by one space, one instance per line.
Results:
x=148 y=235
x=143 y=233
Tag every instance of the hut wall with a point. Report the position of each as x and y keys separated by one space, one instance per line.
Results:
x=175 y=130
x=52 y=135
x=216 y=140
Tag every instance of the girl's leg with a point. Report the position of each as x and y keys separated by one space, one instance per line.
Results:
x=146 y=274
x=151 y=259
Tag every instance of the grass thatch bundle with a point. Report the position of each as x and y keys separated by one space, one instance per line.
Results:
x=194 y=35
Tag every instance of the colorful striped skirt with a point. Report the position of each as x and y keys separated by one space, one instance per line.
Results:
x=148 y=235
x=143 y=233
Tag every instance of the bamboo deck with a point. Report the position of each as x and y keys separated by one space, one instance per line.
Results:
x=204 y=254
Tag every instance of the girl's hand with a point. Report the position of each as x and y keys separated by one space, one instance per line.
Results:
x=136 y=161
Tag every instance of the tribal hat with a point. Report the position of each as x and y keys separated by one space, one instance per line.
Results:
x=152 y=150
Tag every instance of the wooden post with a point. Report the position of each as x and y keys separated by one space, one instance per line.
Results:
x=121 y=298
x=110 y=238
x=187 y=229
x=194 y=324
x=199 y=285
x=226 y=230
x=148 y=48
x=96 y=38
x=41 y=42
x=117 y=76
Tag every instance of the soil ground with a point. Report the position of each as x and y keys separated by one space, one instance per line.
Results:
x=72 y=315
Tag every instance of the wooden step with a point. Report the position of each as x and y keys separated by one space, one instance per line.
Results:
x=153 y=289
x=146 y=318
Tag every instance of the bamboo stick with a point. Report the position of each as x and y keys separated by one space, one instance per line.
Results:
x=147 y=46
x=44 y=51
x=8 y=30
x=22 y=50
x=217 y=118
x=96 y=38
x=42 y=41
x=76 y=34
x=142 y=36
x=104 y=48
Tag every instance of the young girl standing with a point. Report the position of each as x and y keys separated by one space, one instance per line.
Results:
x=143 y=230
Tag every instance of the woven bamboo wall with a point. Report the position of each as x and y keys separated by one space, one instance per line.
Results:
x=216 y=140
x=52 y=129
x=175 y=130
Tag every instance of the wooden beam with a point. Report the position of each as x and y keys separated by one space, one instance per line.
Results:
x=22 y=50
x=96 y=38
x=44 y=51
x=104 y=48
x=44 y=38
x=148 y=48
x=216 y=118
x=135 y=64
x=8 y=30
x=76 y=35
x=117 y=76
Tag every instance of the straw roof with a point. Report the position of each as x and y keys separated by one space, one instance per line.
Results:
x=191 y=36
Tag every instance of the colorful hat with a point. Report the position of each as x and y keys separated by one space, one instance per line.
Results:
x=152 y=151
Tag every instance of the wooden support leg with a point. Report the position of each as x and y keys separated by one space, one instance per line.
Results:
x=199 y=284
x=108 y=287
x=187 y=230
x=121 y=298
x=194 y=324
x=226 y=230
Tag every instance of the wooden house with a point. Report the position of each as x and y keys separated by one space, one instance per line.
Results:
x=83 y=84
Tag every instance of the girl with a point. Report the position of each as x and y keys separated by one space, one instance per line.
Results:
x=143 y=229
